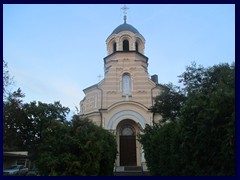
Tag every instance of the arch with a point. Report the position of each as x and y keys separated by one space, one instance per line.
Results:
x=135 y=103
x=125 y=45
x=110 y=45
x=129 y=37
x=139 y=44
x=126 y=114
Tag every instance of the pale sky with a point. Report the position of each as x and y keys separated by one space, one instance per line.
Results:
x=55 y=51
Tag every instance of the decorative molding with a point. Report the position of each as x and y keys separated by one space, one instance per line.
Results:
x=119 y=68
x=142 y=92
x=111 y=92
x=126 y=114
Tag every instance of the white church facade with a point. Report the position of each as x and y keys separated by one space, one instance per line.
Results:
x=121 y=102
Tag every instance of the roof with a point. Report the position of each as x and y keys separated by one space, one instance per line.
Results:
x=125 y=27
x=125 y=52
x=86 y=89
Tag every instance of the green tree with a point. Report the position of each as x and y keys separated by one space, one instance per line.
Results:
x=57 y=146
x=201 y=141
x=208 y=118
x=78 y=148
x=25 y=122
x=7 y=79
x=169 y=103
x=14 y=122
x=39 y=117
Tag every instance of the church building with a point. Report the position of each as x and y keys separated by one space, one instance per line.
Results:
x=121 y=102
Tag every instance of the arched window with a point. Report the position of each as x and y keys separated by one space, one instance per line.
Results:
x=125 y=45
x=126 y=85
x=136 y=46
x=127 y=130
x=114 y=47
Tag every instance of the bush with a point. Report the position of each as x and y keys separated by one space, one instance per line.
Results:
x=78 y=149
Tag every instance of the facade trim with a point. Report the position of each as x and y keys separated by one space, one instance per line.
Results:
x=126 y=114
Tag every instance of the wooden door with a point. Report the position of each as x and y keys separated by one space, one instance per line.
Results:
x=128 y=151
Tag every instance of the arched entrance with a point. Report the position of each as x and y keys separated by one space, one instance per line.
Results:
x=127 y=146
x=117 y=123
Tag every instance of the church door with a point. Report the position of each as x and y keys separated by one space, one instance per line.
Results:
x=128 y=147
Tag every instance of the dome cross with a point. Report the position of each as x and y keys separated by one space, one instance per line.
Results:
x=125 y=8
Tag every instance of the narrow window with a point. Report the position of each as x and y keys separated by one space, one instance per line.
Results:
x=114 y=47
x=125 y=45
x=136 y=46
x=126 y=85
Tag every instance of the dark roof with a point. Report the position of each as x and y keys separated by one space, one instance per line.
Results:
x=95 y=85
x=125 y=52
x=125 y=27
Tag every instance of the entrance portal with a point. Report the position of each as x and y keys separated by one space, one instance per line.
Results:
x=127 y=146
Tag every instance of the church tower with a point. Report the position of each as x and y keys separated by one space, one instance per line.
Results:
x=121 y=101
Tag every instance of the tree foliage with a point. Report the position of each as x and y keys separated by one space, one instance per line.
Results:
x=26 y=122
x=59 y=147
x=7 y=79
x=169 y=103
x=202 y=140
x=14 y=121
x=161 y=145
x=79 y=148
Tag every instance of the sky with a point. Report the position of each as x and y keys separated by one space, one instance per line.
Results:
x=55 y=51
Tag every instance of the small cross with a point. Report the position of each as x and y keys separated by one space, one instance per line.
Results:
x=125 y=8
x=99 y=77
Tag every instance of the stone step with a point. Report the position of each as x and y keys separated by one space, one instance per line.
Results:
x=128 y=174
x=133 y=168
x=131 y=174
x=130 y=171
